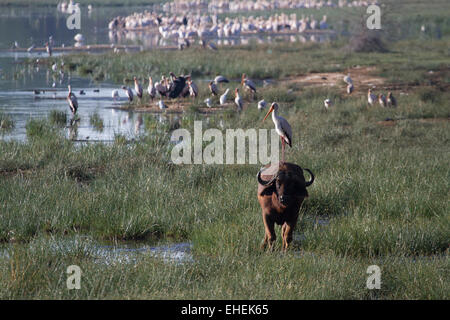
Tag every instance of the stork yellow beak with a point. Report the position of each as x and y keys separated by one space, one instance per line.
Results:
x=270 y=110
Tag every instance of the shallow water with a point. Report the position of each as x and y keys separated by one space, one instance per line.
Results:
x=110 y=253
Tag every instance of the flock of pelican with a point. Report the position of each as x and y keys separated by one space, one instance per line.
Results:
x=221 y=6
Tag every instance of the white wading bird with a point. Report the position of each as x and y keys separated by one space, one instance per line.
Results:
x=350 y=88
x=115 y=94
x=391 y=101
x=208 y=102
x=382 y=100
x=138 y=88
x=262 y=104
x=238 y=100
x=223 y=98
x=220 y=79
x=151 y=88
x=327 y=103
x=282 y=127
x=161 y=104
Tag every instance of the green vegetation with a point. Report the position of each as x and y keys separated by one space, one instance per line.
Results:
x=6 y=123
x=381 y=187
x=380 y=195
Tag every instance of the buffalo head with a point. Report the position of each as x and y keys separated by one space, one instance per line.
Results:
x=288 y=183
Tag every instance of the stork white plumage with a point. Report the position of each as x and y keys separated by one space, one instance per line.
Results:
x=350 y=88
x=161 y=105
x=72 y=100
x=220 y=79
x=193 y=89
x=208 y=102
x=138 y=88
x=371 y=98
x=282 y=127
x=223 y=98
x=382 y=100
x=115 y=94
x=262 y=104
x=327 y=103
x=238 y=100
x=151 y=88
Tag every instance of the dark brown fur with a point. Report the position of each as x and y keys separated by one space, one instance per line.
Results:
x=280 y=201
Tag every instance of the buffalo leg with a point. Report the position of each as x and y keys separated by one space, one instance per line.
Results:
x=287 y=231
x=269 y=236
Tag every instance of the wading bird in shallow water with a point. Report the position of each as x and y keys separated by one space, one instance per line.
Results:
x=282 y=127
x=129 y=93
x=137 y=88
x=72 y=100
x=115 y=94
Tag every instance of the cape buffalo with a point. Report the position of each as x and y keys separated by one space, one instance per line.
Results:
x=281 y=191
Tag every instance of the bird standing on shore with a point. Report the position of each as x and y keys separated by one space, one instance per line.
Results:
x=391 y=101
x=262 y=104
x=129 y=93
x=282 y=127
x=138 y=88
x=161 y=105
x=72 y=100
x=151 y=88
x=49 y=49
x=223 y=97
x=193 y=89
x=327 y=103
x=382 y=100
x=238 y=100
x=213 y=88
x=350 y=88
x=208 y=102
x=248 y=84
x=371 y=98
